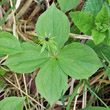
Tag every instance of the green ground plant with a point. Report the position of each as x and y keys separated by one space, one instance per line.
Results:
x=55 y=59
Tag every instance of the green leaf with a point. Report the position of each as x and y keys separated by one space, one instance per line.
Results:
x=104 y=50
x=1 y=55
x=95 y=108
x=12 y=103
x=103 y=16
x=1 y=84
x=100 y=49
x=92 y=6
x=105 y=3
x=53 y=22
x=101 y=27
x=9 y=45
x=93 y=46
x=108 y=72
x=51 y=81
x=68 y=5
x=27 y=61
x=105 y=28
x=75 y=30
x=98 y=37
x=109 y=2
x=107 y=39
x=2 y=72
x=83 y=21
x=78 y=61
x=98 y=26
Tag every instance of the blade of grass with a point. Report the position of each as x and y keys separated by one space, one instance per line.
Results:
x=107 y=72
x=66 y=96
x=107 y=67
x=63 y=102
x=2 y=21
x=73 y=95
x=88 y=86
x=4 y=3
x=91 y=102
x=48 y=106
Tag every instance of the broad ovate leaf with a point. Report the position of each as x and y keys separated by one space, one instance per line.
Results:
x=9 y=45
x=12 y=103
x=98 y=37
x=92 y=6
x=78 y=61
x=68 y=5
x=83 y=21
x=103 y=16
x=95 y=108
x=29 y=60
x=51 y=81
x=53 y=23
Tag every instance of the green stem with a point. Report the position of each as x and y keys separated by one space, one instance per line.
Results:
x=51 y=51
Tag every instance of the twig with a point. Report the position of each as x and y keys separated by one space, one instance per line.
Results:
x=4 y=58
x=14 y=21
x=75 y=102
x=81 y=36
x=20 y=88
x=24 y=92
x=35 y=11
x=47 y=4
x=24 y=9
x=26 y=88
x=72 y=86
x=84 y=97
x=18 y=4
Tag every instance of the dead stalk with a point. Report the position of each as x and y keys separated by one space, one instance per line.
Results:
x=84 y=100
x=47 y=4
x=26 y=88
x=20 y=88
x=81 y=36
x=24 y=92
x=76 y=98
x=14 y=21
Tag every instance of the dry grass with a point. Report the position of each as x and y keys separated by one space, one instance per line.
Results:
x=21 y=23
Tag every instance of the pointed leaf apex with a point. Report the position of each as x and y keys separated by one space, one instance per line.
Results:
x=53 y=4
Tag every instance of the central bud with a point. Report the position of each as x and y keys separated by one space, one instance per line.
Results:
x=47 y=39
